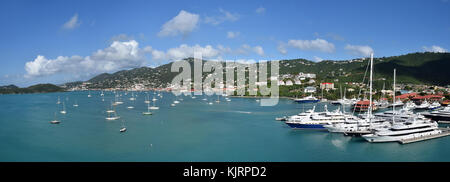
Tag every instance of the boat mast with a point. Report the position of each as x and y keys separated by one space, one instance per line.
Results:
x=393 y=100
x=370 y=89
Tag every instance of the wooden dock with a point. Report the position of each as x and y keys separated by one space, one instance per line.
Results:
x=445 y=132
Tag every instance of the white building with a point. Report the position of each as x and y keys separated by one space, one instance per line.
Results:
x=310 y=89
x=289 y=83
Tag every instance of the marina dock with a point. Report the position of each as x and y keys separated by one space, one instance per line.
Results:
x=445 y=132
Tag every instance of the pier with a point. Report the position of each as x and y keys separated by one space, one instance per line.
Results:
x=445 y=132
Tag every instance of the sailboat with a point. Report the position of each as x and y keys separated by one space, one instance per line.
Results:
x=102 y=94
x=75 y=105
x=148 y=110
x=117 y=100
x=218 y=100
x=132 y=96
x=364 y=125
x=58 y=102
x=89 y=94
x=55 y=121
x=132 y=102
x=154 y=107
x=64 y=109
x=110 y=113
x=147 y=99
x=123 y=129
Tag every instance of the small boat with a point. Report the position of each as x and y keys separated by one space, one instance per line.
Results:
x=112 y=117
x=64 y=109
x=307 y=99
x=173 y=105
x=130 y=107
x=58 y=102
x=123 y=129
x=210 y=103
x=102 y=94
x=176 y=102
x=75 y=105
x=147 y=100
x=55 y=121
x=148 y=110
x=89 y=94
x=284 y=118
x=154 y=107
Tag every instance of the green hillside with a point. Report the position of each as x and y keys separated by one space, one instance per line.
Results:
x=39 y=88
x=417 y=68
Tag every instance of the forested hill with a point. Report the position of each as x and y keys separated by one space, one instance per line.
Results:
x=417 y=68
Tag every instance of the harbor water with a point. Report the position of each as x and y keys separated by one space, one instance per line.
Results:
x=193 y=130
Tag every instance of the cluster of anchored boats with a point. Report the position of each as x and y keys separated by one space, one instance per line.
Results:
x=389 y=126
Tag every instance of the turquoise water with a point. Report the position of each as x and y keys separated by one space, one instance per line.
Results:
x=239 y=130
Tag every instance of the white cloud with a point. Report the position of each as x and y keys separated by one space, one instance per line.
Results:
x=260 y=10
x=225 y=16
x=359 y=50
x=282 y=48
x=434 y=48
x=317 y=59
x=208 y=51
x=247 y=49
x=232 y=35
x=258 y=50
x=184 y=51
x=184 y=23
x=72 y=23
x=318 y=44
x=119 y=55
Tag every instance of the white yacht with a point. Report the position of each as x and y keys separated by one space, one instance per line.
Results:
x=413 y=128
x=439 y=115
x=434 y=105
x=410 y=105
x=424 y=105
x=317 y=120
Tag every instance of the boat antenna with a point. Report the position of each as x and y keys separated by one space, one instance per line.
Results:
x=393 y=100
x=370 y=88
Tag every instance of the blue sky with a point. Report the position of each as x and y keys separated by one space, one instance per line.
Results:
x=61 y=41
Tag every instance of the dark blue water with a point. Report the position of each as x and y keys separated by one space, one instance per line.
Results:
x=239 y=130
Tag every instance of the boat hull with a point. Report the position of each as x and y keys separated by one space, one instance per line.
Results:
x=305 y=126
x=306 y=101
